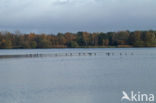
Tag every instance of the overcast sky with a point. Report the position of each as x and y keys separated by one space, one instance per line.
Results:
x=52 y=16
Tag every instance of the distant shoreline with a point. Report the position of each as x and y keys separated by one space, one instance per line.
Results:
x=121 y=39
x=75 y=48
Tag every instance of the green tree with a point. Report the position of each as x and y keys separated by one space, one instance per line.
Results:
x=73 y=44
x=33 y=44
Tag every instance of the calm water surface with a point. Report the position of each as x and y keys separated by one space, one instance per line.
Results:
x=99 y=78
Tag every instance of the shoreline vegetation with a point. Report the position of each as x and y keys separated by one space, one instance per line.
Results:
x=121 y=39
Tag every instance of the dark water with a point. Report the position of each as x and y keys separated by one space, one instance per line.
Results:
x=85 y=78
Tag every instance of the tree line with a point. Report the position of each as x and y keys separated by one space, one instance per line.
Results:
x=78 y=40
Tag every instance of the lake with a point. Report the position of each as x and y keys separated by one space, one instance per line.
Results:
x=76 y=75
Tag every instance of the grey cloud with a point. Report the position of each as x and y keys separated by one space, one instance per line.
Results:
x=75 y=15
